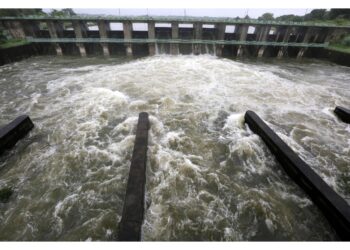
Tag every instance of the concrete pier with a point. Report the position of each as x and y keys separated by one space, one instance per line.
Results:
x=54 y=30
x=174 y=47
x=31 y=28
x=242 y=31
x=151 y=35
x=334 y=207
x=134 y=203
x=343 y=114
x=11 y=133
x=127 y=28
x=197 y=35
x=220 y=35
x=104 y=28
x=286 y=37
x=306 y=38
x=263 y=38
x=80 y=32
x=15 y=29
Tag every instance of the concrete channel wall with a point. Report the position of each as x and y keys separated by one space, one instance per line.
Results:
x=175 y=35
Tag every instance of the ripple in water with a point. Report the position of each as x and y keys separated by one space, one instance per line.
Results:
x=208 y=178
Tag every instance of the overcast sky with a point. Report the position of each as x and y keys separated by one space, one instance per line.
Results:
x=227 y=12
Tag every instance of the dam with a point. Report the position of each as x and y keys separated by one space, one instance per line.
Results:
x=209 y=176
x=178 y=35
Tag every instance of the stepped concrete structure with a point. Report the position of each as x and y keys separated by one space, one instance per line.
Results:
x=229 y=36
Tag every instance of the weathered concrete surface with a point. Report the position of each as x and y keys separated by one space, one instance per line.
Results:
x=80 y=32
x=127 y=29
x=220 y=35
x=15 y=29
x=242 y=32
x=286 y=36
x=343 y=113
x=335 y=208
x=151 y=35
x=134 y=204
x=14 y=131
x=197 y=35
x=55 y=31
x=307 y=35
x=174 y=47
x=263 y=38
x=104 y=28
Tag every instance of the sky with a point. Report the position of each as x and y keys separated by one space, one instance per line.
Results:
x=227 y=12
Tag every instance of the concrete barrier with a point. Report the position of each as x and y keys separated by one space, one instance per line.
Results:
x=134 y=204
x=335 y=208
x=343 y=114
x=14 y=131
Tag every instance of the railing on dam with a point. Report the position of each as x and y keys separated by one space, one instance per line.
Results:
x=179 y=19
x=174 y=41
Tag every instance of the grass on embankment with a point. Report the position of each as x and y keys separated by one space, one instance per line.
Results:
x=339 y=48
x=13 y=43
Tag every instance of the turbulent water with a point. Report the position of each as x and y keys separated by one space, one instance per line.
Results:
x=208 y=178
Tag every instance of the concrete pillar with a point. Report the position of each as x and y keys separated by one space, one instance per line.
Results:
x=54 y=30
x=286 y=37
x=328 y=35
x=15 y=29
x=197 y=35
x=103 y=28
x=242 y=31
x=306 y=39
x=279 y=32
x=220 y=35
x=127 y=28
x=317 y=32
x=151 y=35
x=263 y=38
x=31 y=28
x=80 y=32
x=257 y=31
x=174 y=47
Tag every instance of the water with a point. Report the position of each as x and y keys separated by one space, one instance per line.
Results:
x=209 y=177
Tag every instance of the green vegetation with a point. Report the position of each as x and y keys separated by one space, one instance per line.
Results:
x=12 y=43
x=62 y=13
x=340 y=48
x=6 y=42
x=333 y=16
x=266 y=17
x=5 y=194
x=36 y=12
x=22 y=12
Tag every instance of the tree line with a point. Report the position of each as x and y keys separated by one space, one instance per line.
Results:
x=314 y=15
x=37 y=12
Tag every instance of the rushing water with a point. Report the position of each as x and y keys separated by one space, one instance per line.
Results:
x=208 y=178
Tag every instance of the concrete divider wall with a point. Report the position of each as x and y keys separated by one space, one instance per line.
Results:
x=134 y=204
x=14 y=131
x=334 y=207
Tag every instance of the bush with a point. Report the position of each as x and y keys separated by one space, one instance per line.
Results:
x=346 y=41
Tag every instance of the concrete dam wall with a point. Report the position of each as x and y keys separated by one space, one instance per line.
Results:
x=173 y=35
